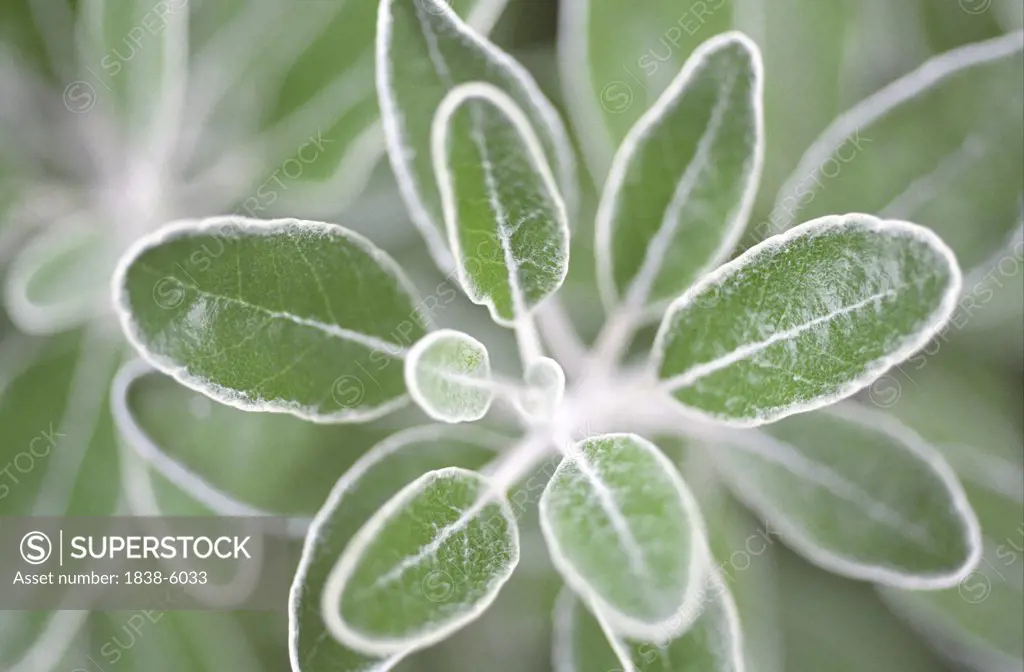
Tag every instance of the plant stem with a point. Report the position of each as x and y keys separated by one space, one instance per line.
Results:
x=527 y=340
x=560 y=334
x=518 y=461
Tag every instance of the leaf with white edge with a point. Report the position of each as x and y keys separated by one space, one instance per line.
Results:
x=424 y=51
x=713 y=643
x=961 y=412
x=505 y=219
x=858 y=494
x=60 y=279
x=174 y=428
x=282 y=316
x=448 y=374
x=137 y=53
x=616 y=57
x=805 y=318
x=943 y=147
x=743 y=551
x=545 y=387
x=625 y=532
x=683 y=182
x=448 y=526
x=373 y=480
x=311 y=76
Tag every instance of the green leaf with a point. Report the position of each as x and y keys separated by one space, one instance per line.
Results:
x=841 y=626
x=282 y=316
x=743 y=552
x=962 y=413
x=684 y=179
x=449 y=375
x=942 y=146
x=234 y=462
x=858 y=494
x=60 y=279
x=377 y=477
x=424 y=51
x=545 y=387
x=135 y=60
x=617 y=57
x=625 y=532
x=712 y=644
x=426 y=564
x=805 y=318
x=317 y=136
x=506 y=222
x=59 y=455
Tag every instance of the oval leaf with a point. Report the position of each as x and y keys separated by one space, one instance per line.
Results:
x=449 y=524
x=449 y=375
x=506 y=222
x=943 y=146
x=373 y=480
x=199 y=446
x=625 y=532
x=424 y=51
x=858 y=494
x=805 y=318
x=712 y=644
x=283 y=315
x=616 y=58
x=683 y=182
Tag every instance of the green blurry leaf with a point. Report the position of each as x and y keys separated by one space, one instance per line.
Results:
x=137 y=52
x=449 y=375
x=59 y=280
x=840 y=626
x=283 y=316
x=424 y=51
x=683 y=182
x=447 y=531
x=858 y=494
x=964 y=413
x=743 y=553
x=617 y=57
x=231 y=461
x=503 y=213
x=309 y=77
x=941 y=147
x=58 y=455
x=579 y=642
x=711 y=644
x=625 y=532
x=805 y=318
x=359 y=494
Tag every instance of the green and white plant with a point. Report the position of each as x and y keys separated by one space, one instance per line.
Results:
x=757 y=357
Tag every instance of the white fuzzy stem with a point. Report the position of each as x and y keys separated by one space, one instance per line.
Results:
x=560 y=335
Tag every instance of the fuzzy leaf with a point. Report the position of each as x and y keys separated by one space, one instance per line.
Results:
x=310 y=74
x=625 y=532
x=684 y=179
x=617 y=57
x=805 y=318
x=200 y=446
x=60 y=279
x=545 y=387
x=858 y=494
x=942 y=146
x=505 y=219
x=381 y=597
x=283 y=316
x=711 y=644
x=424 y=51
x=449 y=375
x=373 y=480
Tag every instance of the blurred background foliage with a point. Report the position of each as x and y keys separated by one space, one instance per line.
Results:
x=301 y=67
